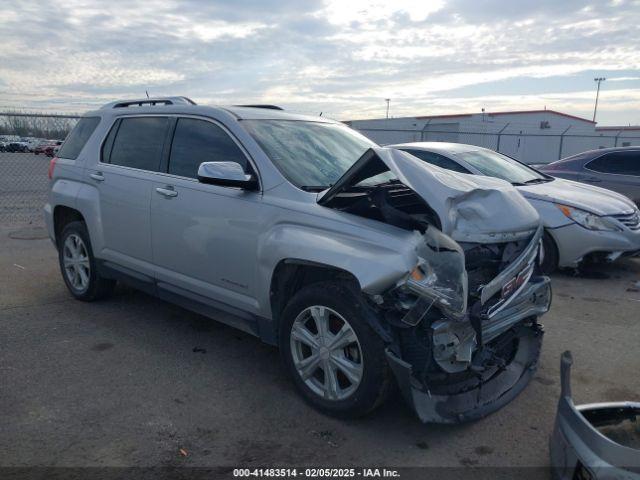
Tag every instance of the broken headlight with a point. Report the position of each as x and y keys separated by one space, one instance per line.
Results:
x=440 y=274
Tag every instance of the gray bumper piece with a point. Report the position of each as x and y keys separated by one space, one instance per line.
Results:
x=493 y=393
x=578 y=450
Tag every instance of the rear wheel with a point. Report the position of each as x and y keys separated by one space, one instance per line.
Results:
x=334 y=357
x=548 y=254
x=78 y=265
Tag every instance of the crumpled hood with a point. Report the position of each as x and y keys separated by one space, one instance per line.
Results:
x=586 y=197
x=471 y=208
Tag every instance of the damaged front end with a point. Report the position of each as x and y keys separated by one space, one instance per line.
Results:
x=453 y=364
x=463 y=333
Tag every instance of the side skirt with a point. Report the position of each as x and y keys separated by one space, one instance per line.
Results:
x=256 y=325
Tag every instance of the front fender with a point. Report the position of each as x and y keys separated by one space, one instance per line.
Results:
x=551 y=215
x=375 y=264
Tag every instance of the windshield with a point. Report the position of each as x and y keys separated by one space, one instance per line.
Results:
x=493 y=164
x=309 y=154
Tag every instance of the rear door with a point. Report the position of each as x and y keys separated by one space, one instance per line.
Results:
x=205 y=236
x=130 y=158
x=617 y=171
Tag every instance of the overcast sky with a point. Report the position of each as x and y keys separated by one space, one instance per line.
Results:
x=340 y=57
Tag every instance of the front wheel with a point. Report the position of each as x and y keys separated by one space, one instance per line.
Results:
x=336 y=360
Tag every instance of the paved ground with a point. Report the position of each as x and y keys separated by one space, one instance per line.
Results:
x=132 y=380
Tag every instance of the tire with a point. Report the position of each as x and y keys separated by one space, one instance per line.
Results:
x=342 y=305
x=78 y=265
x=549 y=262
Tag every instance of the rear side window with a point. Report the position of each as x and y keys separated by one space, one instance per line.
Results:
x=78 y=137
x=621 y=163
x=197 y=141
x=438 y=160
x=138 y=142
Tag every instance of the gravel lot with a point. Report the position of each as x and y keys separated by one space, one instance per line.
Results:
x=132 y=380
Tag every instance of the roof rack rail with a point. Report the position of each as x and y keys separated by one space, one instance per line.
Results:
x=149 y=102
x=268 y=107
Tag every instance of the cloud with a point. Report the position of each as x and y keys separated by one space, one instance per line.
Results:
x=342 y=58
x=622 y=79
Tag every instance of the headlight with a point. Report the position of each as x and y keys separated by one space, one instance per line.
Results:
x=440 y=274
x=585 y=219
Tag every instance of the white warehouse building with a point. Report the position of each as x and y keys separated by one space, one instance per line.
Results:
x=531 y=136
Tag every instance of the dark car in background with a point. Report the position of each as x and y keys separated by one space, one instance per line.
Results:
x=617 y=169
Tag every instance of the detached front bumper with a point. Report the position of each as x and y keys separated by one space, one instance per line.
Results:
x=493 y=387
x=578 y=449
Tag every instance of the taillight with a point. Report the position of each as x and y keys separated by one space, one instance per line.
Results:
x=52 y=165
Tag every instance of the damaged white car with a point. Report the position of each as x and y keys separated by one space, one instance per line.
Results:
x=363 y=264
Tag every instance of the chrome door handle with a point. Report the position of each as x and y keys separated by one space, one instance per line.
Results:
x=167 y=192
x=97 y=176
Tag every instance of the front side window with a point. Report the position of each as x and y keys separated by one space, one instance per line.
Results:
x=437 y=160
x=493 y=164
x=138 y=143
x=309 y=154
x=621 y=163
x=78 y=137
x=198 y=141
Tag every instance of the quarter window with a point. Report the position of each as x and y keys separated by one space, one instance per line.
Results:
x=78 y=137
x=197 y=141
x=622 y=163
x=138 y=143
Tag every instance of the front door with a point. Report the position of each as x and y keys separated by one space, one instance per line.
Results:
x=205 y=236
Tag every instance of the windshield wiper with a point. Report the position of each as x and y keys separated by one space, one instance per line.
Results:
x=314 y=188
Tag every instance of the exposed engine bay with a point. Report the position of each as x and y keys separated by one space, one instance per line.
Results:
x=463 y=331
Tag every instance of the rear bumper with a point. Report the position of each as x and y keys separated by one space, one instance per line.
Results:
x=47 y=212
x=575 y=242
x=495 y=387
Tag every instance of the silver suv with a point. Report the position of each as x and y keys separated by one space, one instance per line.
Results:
x=365 y=265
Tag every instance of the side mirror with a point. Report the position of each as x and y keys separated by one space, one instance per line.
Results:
x=226 y=174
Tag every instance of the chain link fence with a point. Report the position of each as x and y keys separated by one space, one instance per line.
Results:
x=28 y=140
x=27 y=143
x=517 y=141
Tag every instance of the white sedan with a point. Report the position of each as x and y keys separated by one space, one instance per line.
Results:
x=582 y=222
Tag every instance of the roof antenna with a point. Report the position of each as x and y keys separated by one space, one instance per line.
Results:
x=147 y=92
x=320 y=114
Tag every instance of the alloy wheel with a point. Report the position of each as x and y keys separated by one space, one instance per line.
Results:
x=75 y=259
x=326 y=353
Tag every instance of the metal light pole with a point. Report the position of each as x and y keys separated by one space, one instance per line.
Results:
x=595 y=109
x=387 y=100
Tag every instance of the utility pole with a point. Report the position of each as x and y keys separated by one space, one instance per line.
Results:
x=595 y=109
x=388 y=100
